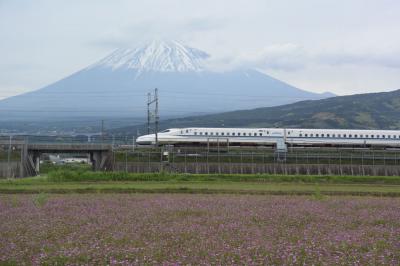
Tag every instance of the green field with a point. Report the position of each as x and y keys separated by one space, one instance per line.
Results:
x=72 y=181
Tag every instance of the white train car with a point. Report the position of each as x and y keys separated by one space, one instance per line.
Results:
x=270 y=136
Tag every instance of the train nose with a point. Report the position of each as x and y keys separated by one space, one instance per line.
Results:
x=145 y=140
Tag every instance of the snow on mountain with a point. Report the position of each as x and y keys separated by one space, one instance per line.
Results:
x=163 y=56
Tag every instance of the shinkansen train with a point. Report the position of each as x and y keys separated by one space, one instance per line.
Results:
x=271 y=136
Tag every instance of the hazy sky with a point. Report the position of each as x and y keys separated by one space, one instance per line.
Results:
x=342 y=46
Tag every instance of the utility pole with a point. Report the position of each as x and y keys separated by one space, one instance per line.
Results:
x=9 y=157
x=102 y=131
x=156 y=114
x=153 y=100
x=148 y=112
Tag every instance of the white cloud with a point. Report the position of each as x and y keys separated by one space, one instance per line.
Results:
x=288 y=57
x=374 y=57
x=148 y=30
x=292 y=57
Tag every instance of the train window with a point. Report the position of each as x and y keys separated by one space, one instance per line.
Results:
x=300 y=135
x=383 y=136
x=201 y=133
x=361 y=136
x=339 y=136
x=344 y=135
x=187 y=131
x=222 y=133
x=206 y=133
x=260 y=134
x=317 y=135
x=233 y=134
x=311 y=135
x=238 y=134
x=288 y=133
x=372 y=136
x=355 y=135
x=268 y=132
x=244 y=134
x=366 y=136
x=255 y=134
x=350 y=135
x=322 y=135
x=217 y=133
x=195 y=133
x=305 y=135
x=328 y=135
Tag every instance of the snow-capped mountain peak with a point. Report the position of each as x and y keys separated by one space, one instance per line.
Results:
x=163 y=56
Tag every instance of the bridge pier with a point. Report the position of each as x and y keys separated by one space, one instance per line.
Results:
x=36 y=161
x=30 y=162
x=101 y=160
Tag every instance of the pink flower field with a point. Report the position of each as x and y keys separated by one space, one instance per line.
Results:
x=165 y=229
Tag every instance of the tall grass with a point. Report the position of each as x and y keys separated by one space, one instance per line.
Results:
x=81 y=175
x=40 y=199
x=88 y=176
x=47 y=167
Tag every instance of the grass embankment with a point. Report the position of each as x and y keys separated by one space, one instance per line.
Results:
x=88 y=176
x=81 y=181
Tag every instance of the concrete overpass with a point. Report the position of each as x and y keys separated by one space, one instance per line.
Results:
x=100 y=154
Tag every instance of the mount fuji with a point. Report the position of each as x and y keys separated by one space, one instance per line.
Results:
x=117 y=86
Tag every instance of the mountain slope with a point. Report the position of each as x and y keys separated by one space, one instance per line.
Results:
x=118 y=86
x=362 y=111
